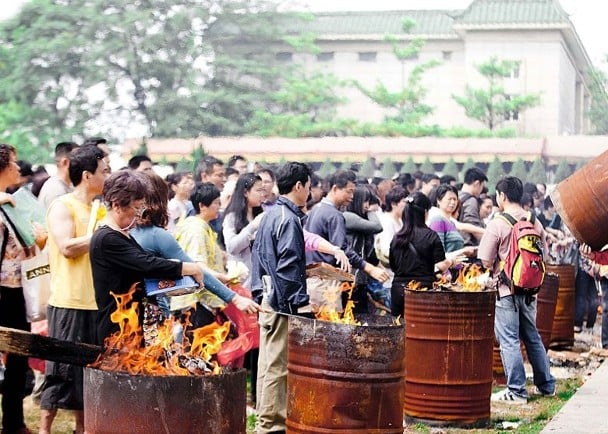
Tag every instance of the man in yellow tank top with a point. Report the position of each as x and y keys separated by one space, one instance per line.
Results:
x=71 y=219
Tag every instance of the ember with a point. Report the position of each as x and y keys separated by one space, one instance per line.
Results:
x=328 y=313
x=125 y=350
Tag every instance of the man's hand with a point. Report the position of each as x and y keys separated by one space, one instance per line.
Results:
x=586 y=251
x=245 y=304
x=342 y=260
x=377 y=273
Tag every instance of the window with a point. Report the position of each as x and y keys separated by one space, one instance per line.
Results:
x=515 y=71
x=284 y=56
x=325 y=56
x=511 y=115
x=367 y=56
x=447 y=55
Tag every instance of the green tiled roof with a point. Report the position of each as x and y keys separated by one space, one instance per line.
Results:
x=507 y=12
x=428 y=22
x=480 y=13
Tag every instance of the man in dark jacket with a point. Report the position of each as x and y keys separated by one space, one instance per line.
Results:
x=326 y=219
x=279 y=273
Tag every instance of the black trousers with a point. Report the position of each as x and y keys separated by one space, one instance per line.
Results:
x=12 y=314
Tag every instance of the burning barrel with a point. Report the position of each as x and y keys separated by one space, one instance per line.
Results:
x=562 y=333
x=546 y=303
x=344 y=378
x=449 y=339
x=582 y=202
x=117 y=403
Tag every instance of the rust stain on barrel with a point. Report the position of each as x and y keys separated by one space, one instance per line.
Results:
x=562 y=333
x=449 y=341
x=344 y=378
x=119 y=403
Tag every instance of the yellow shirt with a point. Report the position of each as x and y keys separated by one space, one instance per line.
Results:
x=72 y=278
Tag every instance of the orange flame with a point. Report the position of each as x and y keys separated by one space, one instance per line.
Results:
x=328 y=313
x=414 y=285
x=125 y=350
x=468 y=278
x=441 y=282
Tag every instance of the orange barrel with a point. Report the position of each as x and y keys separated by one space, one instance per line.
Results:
x=345 y=378
x=546 y=303
x=449 y=338
x=582 y=202
x=562 y=332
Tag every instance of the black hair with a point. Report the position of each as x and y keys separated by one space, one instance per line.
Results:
x=360 y=196
x=81 y=159
x=290 y=174
x=232 y=160
x=63 y=149
x=447 y=179
x=440 y=191
x=238 y=202
x=136 y=160
x=394 y=196
x=94 y=141
x=474 y=174
x=414 y=215
x=512 y=187
x=406 y=180
x=204 y=194
x=341 y=178
x=428 y=177
x=5 y=155
x=206 y=166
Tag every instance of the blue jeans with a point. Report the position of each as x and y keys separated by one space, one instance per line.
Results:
x=515 y=320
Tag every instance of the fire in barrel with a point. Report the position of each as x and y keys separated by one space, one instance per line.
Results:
x=344 y=377
x=449 y=336
x=162 y=386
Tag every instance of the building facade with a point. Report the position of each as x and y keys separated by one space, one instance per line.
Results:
x=537 y=34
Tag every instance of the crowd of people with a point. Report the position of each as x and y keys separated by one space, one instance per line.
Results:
x=109 y=231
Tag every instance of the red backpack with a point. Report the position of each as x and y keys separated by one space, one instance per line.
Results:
x=523 y=269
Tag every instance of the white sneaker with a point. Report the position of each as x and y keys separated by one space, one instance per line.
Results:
x=508 y=397
x=537 y=392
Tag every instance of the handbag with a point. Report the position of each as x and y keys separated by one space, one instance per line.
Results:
x=36 y=283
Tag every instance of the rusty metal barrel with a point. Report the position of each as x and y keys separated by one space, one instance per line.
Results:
x=449 y=339
x=119 y=403
x=344 y=378
x=582 y=202
x=562 y=333
x=546 y=303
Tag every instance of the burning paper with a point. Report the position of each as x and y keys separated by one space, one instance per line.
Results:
x=327 y=311
x=161 y=355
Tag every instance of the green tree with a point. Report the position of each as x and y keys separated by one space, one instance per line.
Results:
x=169 y=55
x=368 y=168
x=405 y=105
x=18 y=128
x=409 y=166
x=562 y=171
x=142 y=149
x=467 y=165
x=493 y=105
x=451 y=168
x=388 y=168
x=518 y=169
x=184 y=165
x=198 y=153
x=538 y=172
x=494 y=173
x=598 y=107
x=427 y=166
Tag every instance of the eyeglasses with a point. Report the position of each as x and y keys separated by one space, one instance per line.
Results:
x=138 y=210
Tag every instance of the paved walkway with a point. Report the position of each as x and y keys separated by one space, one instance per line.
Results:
x=587 y=411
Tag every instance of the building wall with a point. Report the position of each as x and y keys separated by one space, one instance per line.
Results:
x=546 y=68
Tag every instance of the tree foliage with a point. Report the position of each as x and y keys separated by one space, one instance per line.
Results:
x=598 y=108
x=494 y=173
x=538 y=172
x=518 y=169
x=405 y=105
x=492 y=105
x=451 y=168
x=562 y=171
x=409 y=166
x=388 y=168
x=427 y=166
x=368 y=168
